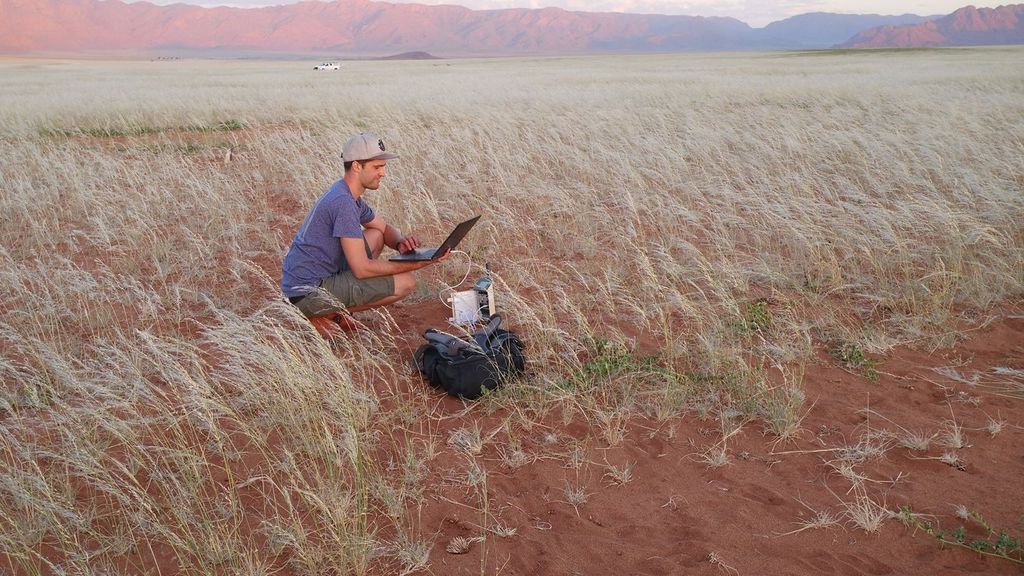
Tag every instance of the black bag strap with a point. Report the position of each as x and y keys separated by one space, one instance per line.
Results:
x=452 y=346
x=417 y=358
x=483 y=337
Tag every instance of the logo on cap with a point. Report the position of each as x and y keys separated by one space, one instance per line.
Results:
x=380 y=144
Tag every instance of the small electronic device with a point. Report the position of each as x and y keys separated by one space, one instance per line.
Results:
x=473 y=306
x=465 y=308
x=484 y=289
x=453 y=239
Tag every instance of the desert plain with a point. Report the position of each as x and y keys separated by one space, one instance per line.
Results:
x=772 y=305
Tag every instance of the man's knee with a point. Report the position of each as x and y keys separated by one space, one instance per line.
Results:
x=405 y=283
x=374 y=242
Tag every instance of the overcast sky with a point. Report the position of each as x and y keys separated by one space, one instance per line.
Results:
x=753 y=12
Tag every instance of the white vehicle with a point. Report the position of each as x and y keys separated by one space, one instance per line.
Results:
x=327 y=66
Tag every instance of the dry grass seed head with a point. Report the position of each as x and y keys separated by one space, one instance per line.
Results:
x=575 y=496
x=994 y=426
x=780 y=407
x=475 y=475
x=392 y=498
x=715 y=457
x=577 y=456
x=865 y=513
x=732 y=421
x=951 y=458
x=413 y=555
x=619 y=475
x=954 y=435
x=461 y=544
x=956 y=376
x=514 y=457
x=468 y=440
x=613 y=427
x=962 y=512
x=845 y=468
x=873 y=444
x=820 y=519
x=715 y=559
x=916 y=441
x=502 y=530
x=965 y=398
x=673 y=502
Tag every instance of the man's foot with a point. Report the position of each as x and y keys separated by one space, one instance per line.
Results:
x=333 y=325
x=346 y=322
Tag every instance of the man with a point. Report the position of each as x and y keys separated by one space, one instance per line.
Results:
x=332 y=266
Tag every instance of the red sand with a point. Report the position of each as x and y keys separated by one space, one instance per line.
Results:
x=677 y=516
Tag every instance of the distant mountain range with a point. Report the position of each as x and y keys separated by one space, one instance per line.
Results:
x=968 y=26
x=366 y=28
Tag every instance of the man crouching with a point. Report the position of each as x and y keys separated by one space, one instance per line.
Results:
x=332 y=266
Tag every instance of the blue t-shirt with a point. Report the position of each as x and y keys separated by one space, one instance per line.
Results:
x=316 y=250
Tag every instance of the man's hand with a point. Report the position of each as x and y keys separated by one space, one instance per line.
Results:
x=408 y=244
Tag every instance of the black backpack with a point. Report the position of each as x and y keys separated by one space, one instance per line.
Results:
x=464 y=367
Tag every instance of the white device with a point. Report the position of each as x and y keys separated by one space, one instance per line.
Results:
x=465 y=308
x=473 y=306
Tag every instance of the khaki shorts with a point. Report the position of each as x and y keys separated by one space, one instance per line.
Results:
x=344 y=290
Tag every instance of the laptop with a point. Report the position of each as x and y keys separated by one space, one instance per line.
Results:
x=453 y=239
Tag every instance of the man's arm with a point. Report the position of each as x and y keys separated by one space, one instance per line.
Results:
x=393 y=237
x=363 y=267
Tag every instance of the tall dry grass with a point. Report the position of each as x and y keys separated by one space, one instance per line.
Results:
x=719 y=213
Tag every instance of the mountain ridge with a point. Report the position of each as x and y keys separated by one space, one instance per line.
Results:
x=369 y=28
x=967 y=26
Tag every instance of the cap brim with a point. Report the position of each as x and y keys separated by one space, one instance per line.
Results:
x=382 y=156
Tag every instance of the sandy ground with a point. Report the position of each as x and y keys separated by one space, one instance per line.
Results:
x=677 y=515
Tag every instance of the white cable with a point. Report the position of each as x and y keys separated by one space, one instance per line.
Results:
x=469 y=268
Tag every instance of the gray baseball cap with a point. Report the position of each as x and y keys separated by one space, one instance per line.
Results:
x=365 y=146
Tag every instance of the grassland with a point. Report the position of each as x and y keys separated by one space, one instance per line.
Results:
x=673 y=235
